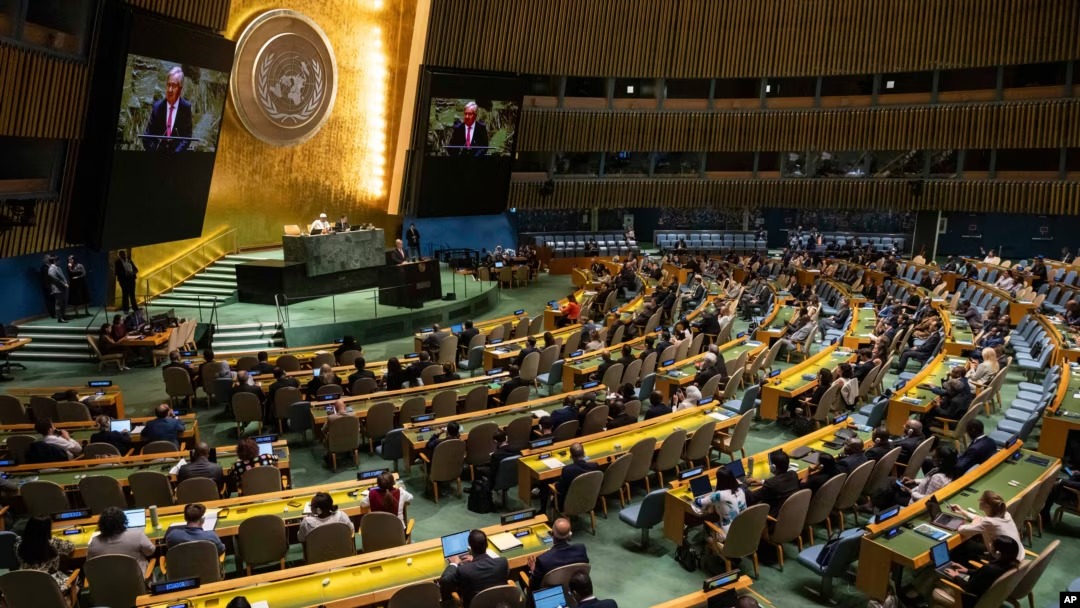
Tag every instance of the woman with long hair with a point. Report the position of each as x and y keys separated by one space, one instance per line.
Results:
x=323 y=511
x=38 y=549
x=981 y=531
x=983 y=371
x=395 y=374
x=388 y=497
x=727 y=500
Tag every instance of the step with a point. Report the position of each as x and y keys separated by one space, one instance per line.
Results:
x=57 y=346
x=59 y=328
x=222 y=271
x=253 y=334
x=258 y=325
x=185 y=288
x=191 y=298
x=24 y=355
x=245 y=344
x=205 y=281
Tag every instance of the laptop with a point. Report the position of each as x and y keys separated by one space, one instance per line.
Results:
x=456 y=328
x=266 y=449
x=737 y=470
x=554 y=304
x=455 y=545
x=499 y=264
x=124 y=426
x=940 y=519
x=552 y=597
x=940 y=554
x=700 y=486
x=136 y=518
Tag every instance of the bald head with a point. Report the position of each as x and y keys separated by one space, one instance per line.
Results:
x=202 y=450
x=577 y=451
x=914 y=427
x=561 y=529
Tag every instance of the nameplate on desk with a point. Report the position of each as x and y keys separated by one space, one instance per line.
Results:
x=265 y=438
x=183 y=584
x=720 y=580
x=494 y=372
x=592 y=384
x=72 y=514
x=518 y=313
x=327 y=397
x=517 y=516
x=99 y=383
x=373 y=474
x=423 y=417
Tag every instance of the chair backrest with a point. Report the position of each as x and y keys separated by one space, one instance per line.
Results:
x=44 y=407
x=342 y=434
x=321 y=359
x=745 y=532
x=615 y=474
x=729 y=389
x=196 y=489
x=701 y=442
x=791 y=518
x=18 y=445
x=262 y=539
x=150 y=488
x=917 y=458
x=8 y=560
x=503 y=595
x=417 y=594
x=193 y=558
x=222 y=390
x=288 y=363
x=612 y=376
x=100 y=450
x=749 y=400
x=12 y=411
x=633 y=407
x=1031 y=575
x=847 y=551
x=363 y=386
x=631 y=373
x=740 y=432
x=667 y=355
x=1021 y=509
x=330 y=389
x=642 y=453
x=652 y=509
x=177 y=382
x=332 y=541
x=560 y=577
x=882 y=469
x=518 y=395
x=413 y=406
x=445 y=404
x=114 y=580
x=160 y=446
x=595 y=420
x=245 y=363
x=519 y=432
x=583 y=493
x=384 y=531
x=548 y=356
x=506 y=473
x=536 y=325
x=566 y=430
x=1042 y=493
x=447 y=460
x=300 y=418
x=43 y=498
x=100 y=492
x=648 y=366
x=479 y=443
x=31 y=589
x=246 y=407
x=682 y=350
x=261 y=480
x=530 y=367
x=427 y=376
x=854 y=485
x=827 y=403
x=380 y=420
x=823 y=501
x=996 y=595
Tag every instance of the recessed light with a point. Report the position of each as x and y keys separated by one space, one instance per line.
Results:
x=630 y=89
x=890 y=84
x=768 y=88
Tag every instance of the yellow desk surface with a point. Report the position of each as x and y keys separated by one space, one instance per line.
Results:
x=800 y=378
x=606 y=446
x=82 y=431
x=233 y=511
x=576 y=371
x=910 y=549
x=305 y=375
x=502 y=354
x=109 y=398
x=303 y=353
x=484 y=327
x=912 y=398
x=360 y=404
x=363 y=580
x=862 y=325
x=682 y=373
x=678 y=504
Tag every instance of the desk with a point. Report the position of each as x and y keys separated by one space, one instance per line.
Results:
x=774 y=324
x=576 y=371
x=1062 y=417
x=360 y=404
x=502 y=354
x=410 y=285
x=605 y=447
x=551 y=315
x=682 y=373
x=367 y=579
x=147 y=341
x=878 y=555
x=792 y=383
x=304 y=354
x=415 y=438
x=336 y=251
x=8 y=346
x=807 y=277
x=112 y=402
x=1068 y=341
x=678 y=504
x=344 y=371
x=485 y=327
x=81 y=431
x=234 y=512
x=958 y=335
x=700 y=599
x=912 y=398
x=864 y=321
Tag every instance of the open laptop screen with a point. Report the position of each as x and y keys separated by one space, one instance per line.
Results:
x=455 y=544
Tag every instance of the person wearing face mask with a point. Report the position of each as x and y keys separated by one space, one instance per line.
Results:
x=1006 y=554
x=562 y=553
x=323 y=511
x=776 y=489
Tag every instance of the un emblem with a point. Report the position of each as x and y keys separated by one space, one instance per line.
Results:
x=284 y=77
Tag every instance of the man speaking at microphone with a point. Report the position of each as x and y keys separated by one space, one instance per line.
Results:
x=470 y=137
x=170 y=117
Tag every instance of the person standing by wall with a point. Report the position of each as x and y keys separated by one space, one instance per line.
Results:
x=58 y=285
x=412 y=238
x=126 y=273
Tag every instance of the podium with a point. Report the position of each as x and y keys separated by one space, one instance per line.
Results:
x=411 y=284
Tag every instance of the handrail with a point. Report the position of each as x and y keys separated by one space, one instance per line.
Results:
x=199 y=254
x=282 y=302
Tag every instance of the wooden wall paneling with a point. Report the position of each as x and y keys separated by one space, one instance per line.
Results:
x=210 y=14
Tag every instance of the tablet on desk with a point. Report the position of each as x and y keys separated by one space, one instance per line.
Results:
x=123 y=426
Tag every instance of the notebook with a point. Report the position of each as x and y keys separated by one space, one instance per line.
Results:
x=505 y=541
x=944 y=520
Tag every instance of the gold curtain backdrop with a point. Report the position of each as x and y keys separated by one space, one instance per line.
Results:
x=258 y=188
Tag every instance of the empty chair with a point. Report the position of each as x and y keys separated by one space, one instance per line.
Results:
x=642 y=453
x=789 y=523
x=615 y=480
x=417 y=594
x=246 y=409
x=699 y=446
x=852 y=490
x=736 y=441
x=288 y=363
x=742 y=536
x=845 y=553
x=72 y=411
x=245 y=363
x=478 y=446
x=196 y=489
x=821 y=505
x=44 y=407
x=413 y=406
x=100 y=450
x=446 y=464
x=12 y=411
x=342 y=436
x=494 y=597
x=379 y=422
x=261 y=540
x=150 y=488
x=518 y=395
x=43 y=498
x=595 y=420
x=101 y=491
x=193 y=558
x=283 y=398
x=645 y=514
x=114 y=580
x=300 y=418
x=475 y=400
x=519 y=431
x=159 y=447
x=567 y=430
x=445 y=404
x=427 y=376
x=384 y=531
x=260 y=480
x=331 y=541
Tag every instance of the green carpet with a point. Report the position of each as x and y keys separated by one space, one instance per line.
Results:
x=621 y=568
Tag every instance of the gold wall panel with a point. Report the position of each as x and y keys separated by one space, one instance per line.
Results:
x=740 y=38
x=1036 y=124
x=1046 y=197
x=258 y=188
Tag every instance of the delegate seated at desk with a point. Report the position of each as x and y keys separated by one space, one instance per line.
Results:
x=397 y=256
x=320 y=225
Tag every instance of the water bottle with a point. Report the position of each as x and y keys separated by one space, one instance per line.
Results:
x=154 y=517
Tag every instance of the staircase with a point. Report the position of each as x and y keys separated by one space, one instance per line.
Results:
x=215 y=284
x=246 y=337
x=57 y=342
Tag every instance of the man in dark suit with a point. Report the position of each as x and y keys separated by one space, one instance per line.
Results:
x=244 y=385
x=412 y=239
x=920 y=353
x=281 y=380
x=578 y=466
x=913 y=436
x=561 y=553
x=853 y=455
x=709 y=369
x=413 y=371
x=174 y=361
x=650 y=348
x=200 y=466
x=530 y=348
x=397 y=256
x=619 y=417
x=58 y=286
x=980 y=447
x=605 y=364
x=434 y=339
x=776 y=489
x=360 y=372
x=466 y=335
x=657 y=407
x=126 y=272
x=170 y=117
x=582 y=589
x=627 y=356
x=663 y=344
x=514 y=382
x=843 y=311
x=470 y=137
x=475 y=572
x=881 y=445
x=865 y=364
x=710 y=323
x=263 y=366
x=566 y=413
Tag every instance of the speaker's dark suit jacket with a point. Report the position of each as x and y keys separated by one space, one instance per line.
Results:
x=159 y=118
x=470 y=578
x=479 y=140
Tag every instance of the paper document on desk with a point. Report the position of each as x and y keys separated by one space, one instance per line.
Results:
x=539 y=413
x=176 y=469
x=719 y=416
x=209 y=522
x=553 y=463
x=505 y=541
x=138 y=430
x=262 y=604
x=307 y=508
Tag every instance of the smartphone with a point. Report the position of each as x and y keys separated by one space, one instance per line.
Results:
x=901 y=485
x=295 y=504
